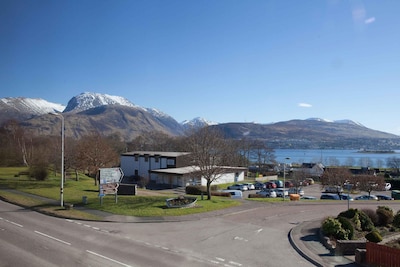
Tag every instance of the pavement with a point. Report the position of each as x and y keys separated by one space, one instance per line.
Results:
x=304 y=237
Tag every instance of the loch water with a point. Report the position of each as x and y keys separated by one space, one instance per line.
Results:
x=339 y=157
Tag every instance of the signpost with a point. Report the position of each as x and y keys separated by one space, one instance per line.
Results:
x=109 y=182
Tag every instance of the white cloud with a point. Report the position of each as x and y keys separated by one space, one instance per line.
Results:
x=304 y=105
x=369 y=20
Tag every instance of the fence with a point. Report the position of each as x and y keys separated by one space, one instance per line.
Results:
x=381 y=255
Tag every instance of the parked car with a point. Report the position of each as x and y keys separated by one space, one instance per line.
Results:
x=267 y=192
x=288 y=184
x=294 y=190
x=308 y=197
x=366 y=197
x=346 y=197
x=259 y=186
x=333 y=189
x=270 y=185
x=234 y=193
x=280 y=192
x=384 y=197
x=330 y=196
x=240 y=187
x=250 y=186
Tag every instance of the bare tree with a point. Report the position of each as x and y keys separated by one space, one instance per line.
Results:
x=94 y=152
x=394 y=163
x=335 y=177
x=369 y=183
x=208 y=150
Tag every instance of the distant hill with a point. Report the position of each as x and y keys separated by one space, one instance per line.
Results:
x=311 y=133
x=116 y=115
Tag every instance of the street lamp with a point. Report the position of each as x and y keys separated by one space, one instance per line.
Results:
x=62 y=158
x=284 y=179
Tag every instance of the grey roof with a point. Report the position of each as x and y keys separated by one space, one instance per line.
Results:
x=190 y=169
x=156 y=153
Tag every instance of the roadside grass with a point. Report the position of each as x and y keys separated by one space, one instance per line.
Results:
x=74 y=191
x=150 y=206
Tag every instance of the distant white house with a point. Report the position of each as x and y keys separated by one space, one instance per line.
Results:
x=172 y=168
x=311 y=169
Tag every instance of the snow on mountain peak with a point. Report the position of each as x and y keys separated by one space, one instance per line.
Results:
x=344 y=121
x=35 y=106
x=89 y=100
x=197 y=122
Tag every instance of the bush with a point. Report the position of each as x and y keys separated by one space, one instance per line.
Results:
x=39 y=172
x=372 y=216
x=366 y=223
x=374 y=236
x=396 y=220
x=195 y=190
x=332 y=227
x=347 y=227
x=385 y=215
x=349 y=214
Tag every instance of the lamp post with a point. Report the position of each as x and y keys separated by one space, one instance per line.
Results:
x=62 y=158
x=284 y=179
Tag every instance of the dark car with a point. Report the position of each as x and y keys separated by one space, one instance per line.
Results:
x=330 y=196
x=384 y=197
x=366 y=197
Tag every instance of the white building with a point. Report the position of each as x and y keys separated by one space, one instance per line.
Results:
x=172 y=168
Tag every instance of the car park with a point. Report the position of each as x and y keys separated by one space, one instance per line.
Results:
x=267 y=192
x=250 y=186
x=282 y=191
x=308 y=198
x=259 y=186
x=346 y=197
x=333 y=189
x=294 y=190
x=240 y=187
x=366 y=197
x=270 y=185
x=384 y=197
x=234 y=193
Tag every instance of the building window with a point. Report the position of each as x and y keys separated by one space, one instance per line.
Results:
x=146 y=158
x=136 y=172
x=157 y=158
x=136 y=157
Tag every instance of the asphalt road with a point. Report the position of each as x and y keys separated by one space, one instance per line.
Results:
x=255 y=234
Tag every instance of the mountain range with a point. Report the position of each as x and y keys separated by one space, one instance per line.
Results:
x=115 y=115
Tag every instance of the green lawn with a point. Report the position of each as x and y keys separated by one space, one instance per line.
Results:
x=74 y=191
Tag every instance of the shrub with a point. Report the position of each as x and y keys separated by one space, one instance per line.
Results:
x=396 y=220
x=350 y=213
x=374 y=236
x=39 y=172
x=330 y=226
x=333 y=228
x=220 y=194
x=385 y=215
x=195 y=190
x=366 y=222
x=372 y=215
x=348 y=228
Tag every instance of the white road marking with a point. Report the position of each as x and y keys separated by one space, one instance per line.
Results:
x=259 y=231
x=13 y=223
x=107 y=258
x=51 y=237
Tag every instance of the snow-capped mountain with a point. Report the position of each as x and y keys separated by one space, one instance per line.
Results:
x=22 y=108
x=344 y=121
x=197 y=123
x=89 y=100
x=34 y=106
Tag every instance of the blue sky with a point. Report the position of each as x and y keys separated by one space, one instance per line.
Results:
x=226 y=61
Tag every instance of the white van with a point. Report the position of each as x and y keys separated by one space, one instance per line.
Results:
x=234 y=193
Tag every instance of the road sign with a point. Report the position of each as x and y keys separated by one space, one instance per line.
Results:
x=110 y=175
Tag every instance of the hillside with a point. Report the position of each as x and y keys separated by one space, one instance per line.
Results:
x=114 y=115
